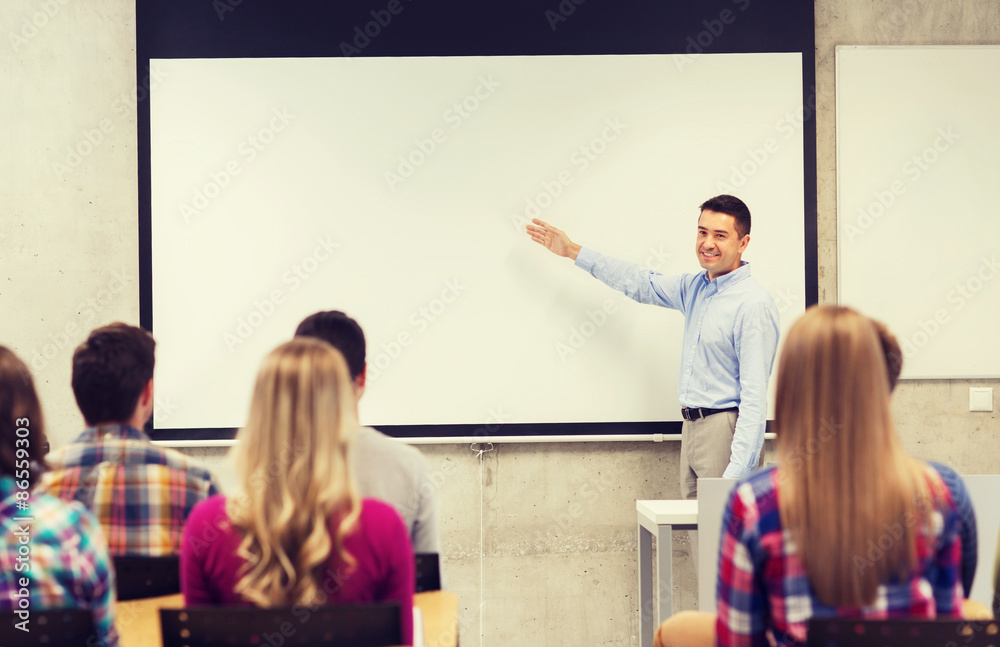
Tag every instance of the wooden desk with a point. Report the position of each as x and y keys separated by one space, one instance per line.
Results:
x=138 y=621
x=440 y=611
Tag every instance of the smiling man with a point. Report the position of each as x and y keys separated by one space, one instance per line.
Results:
x=730 y=337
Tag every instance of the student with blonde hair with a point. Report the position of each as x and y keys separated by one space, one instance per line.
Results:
x=296 y=533
x=847 y=524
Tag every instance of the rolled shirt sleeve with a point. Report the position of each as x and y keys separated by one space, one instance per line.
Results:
x=756 y=343
x=638 y=284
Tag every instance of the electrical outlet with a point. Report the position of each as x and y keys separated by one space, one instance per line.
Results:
x=980 y=398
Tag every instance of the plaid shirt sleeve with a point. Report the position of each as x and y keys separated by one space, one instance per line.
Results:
x=948 y=560
x=81 y=574
x=95 y=576
x=69 y=566
x=967 y=529
x=740 y=595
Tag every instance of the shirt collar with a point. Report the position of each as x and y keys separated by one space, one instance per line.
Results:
x=729 y=279
x=114 y=431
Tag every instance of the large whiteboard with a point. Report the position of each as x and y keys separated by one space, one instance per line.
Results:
x=395 y=207
x=918 y=135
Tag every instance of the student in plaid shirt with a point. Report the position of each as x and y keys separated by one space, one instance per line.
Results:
x=52 y=553
x=139 y=492
x=956 y=486
x=860 y=529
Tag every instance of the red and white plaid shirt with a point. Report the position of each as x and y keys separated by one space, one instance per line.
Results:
x=763 y=589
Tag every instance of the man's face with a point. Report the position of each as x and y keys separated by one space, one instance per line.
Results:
x=718 y=245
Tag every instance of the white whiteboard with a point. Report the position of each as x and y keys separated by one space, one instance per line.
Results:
x=918 y=221
x=617 y=150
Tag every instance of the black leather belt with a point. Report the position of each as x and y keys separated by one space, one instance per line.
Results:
x=697 y=414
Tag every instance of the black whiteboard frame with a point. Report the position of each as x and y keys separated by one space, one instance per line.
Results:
x=311 y=28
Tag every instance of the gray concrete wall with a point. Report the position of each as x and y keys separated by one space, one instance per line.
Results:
x=539 y=539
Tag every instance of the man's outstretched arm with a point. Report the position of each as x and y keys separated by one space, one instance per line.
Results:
x=553 y=239
x=636 y=283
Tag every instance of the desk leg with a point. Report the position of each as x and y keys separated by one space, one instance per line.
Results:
x=646 y=602
x=665 y=571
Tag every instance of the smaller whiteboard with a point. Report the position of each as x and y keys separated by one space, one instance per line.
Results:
x=983 y=492
x=918 y=217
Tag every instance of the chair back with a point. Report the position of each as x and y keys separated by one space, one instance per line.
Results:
x=146 y=577
x=63 y=627
x=368 y=625
x=428 y=571
x=841 y=632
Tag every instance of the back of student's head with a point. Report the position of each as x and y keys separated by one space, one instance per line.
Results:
x=110 y=370
x=891 y=352
x=22 y=430
x=340 y=331
x=844 y=476
x=293 y=458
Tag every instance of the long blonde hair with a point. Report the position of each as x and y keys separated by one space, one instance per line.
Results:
x=293 y=459
x=851 y=497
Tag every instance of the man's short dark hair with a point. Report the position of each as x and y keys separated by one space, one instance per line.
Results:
x=340 y=331
x=110 y=370
x=731 y=206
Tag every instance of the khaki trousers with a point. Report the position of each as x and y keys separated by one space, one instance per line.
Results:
x=706 y=445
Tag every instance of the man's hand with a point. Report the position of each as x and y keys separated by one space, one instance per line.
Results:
x=553 y=239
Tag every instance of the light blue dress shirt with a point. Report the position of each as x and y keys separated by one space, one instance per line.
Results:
x=730 y=338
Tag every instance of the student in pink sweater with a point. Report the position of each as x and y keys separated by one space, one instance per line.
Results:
x=296 y=534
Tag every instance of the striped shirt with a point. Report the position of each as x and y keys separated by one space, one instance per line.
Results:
x=764 y=589
x=55 y=552
x=140 y=493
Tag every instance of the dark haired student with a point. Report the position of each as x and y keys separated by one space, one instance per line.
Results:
x=730 y=337
x=384 y=468
x=141 y=493
x=52 y=553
